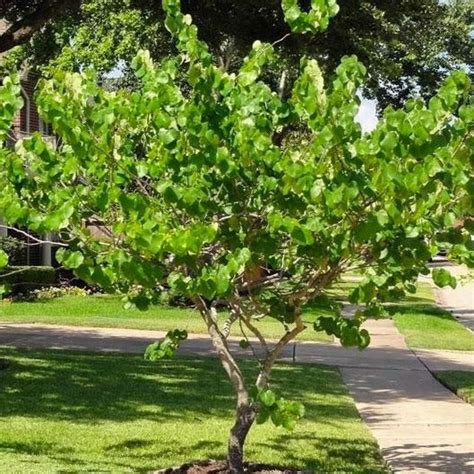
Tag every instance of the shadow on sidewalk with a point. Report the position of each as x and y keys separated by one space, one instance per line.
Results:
x=437 y=458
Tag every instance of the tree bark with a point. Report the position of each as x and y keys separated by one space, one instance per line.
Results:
x=245 y=412
x=243 y=422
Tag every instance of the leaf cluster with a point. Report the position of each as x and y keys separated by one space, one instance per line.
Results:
x=410 y=46
x=167 y=347
x=273 y=407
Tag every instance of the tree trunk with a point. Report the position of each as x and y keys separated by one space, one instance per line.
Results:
x=246 y=413
x=243 y=422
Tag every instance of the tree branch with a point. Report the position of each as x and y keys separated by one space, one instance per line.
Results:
x=249 y=342
x=227 y=359
x=255 y=331
x=22 y=30
x=32 y=237
x=264 y=375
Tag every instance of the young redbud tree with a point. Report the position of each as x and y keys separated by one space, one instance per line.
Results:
x=239 y=197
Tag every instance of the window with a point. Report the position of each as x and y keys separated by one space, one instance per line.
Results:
x=44 y=128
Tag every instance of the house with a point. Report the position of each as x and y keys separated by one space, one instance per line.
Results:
x=27 y=122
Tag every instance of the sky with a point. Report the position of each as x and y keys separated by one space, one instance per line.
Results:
x=367 y=115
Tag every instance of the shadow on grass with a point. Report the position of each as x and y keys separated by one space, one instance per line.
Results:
x=356 y=455
x=424 y=309
x=323 y=454
x=84 y=387
x=333 y=455
x=91 y=389
x=34 y=448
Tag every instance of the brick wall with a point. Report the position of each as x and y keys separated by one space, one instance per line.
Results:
x=28 y=119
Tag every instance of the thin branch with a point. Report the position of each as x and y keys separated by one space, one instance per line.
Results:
x=281 y=88
x=32 y=237
x=256 y=332
x=15 y=272
x=274 y=278
x=228 y=323
x=281 y=39
x=248 y=341
x=264 y=375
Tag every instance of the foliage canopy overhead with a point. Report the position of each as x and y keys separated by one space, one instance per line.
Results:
x=409 y=46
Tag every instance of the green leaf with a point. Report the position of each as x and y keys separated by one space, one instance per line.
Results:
x=443 y=278
x=4 y=290
x=297 y=409
x=3 y=259
x=412 y=232
x=262 y=416
x=69 y=258
x=389 y=142
x=167 y=347
x=289 y=424
x=268 y=398
x=244 y=344
x=364 y=338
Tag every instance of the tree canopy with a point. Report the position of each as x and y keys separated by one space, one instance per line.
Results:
x=204 y=191
x=409 y=46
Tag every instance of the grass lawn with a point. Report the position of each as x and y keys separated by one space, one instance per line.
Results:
x=430 y=327
x=460 y=382
x=417 y=318
x=68 y=412
x=107 y=311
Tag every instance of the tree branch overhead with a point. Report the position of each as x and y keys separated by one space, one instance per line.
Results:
x=23 y=28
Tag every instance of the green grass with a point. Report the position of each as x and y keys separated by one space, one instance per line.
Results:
x=424 y=295
x=68 y=412
x=426 y=326
x=430 y=327
x=108 y=312
x=460 y=382
x=417 y=318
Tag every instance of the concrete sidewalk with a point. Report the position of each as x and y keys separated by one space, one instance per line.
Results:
x=459 y=301
x=420 y=425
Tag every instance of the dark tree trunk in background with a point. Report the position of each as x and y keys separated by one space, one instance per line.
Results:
x=22 y=30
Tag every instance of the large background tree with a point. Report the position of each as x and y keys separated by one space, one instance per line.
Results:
x=409 y=46
x=27 y=17
x=194 y=190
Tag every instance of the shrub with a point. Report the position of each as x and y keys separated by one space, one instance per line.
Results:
x=49 y=293
x=23 y=279
x=11 y=246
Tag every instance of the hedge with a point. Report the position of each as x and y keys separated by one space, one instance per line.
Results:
x=27 y=278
